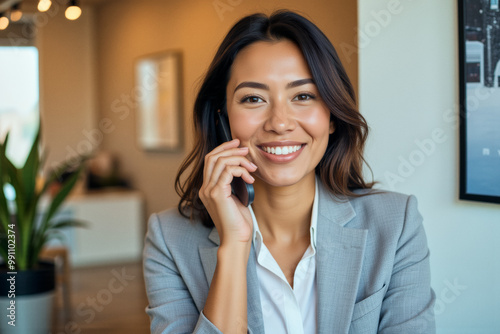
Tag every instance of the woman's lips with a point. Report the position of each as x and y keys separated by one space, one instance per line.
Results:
x=281 y=152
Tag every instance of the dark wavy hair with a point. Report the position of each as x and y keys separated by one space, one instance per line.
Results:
x=340 y=169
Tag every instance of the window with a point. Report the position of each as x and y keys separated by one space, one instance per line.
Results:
x=494 y=4
x=19 y=99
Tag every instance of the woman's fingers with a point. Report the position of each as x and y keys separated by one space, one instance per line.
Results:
x=224 y=163
x=222 y=186
x=225 y=154
x=225 y=169
x=211 y=157
x=221 y=165
x=230 y=172
x=226 y=145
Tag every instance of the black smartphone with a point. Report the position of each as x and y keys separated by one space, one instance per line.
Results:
x=240 y=188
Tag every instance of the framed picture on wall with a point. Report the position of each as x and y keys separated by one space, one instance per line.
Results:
x=158 y=97
x=479 y=59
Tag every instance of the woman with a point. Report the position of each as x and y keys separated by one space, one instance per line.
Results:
x=318 y=251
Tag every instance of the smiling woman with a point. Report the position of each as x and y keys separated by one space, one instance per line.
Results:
x=318 y=251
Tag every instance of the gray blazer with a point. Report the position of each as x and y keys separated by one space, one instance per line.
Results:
x=372 y=269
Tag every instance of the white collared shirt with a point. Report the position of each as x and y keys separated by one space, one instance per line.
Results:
x=287 y=310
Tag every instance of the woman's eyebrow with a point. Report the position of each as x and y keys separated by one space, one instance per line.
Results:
x=258 y=85
x=300 y=82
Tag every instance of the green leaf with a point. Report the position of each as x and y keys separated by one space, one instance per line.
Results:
x=4 y=246
x=4 y=209
x=66 y=188
x=68 y=223
x=13 y=176
x=29 y=171
x=3 y=146
x=56 y=203
x=35 y=250
x=54 y=175
x=55 y=234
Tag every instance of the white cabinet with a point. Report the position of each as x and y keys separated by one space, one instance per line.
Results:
x=115 y=230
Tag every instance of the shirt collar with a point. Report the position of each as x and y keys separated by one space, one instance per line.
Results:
x=257 y=236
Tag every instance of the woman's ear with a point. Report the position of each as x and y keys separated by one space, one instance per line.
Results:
x=332 y=127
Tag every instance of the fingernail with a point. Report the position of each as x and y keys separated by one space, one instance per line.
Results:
x=254 y=165
x=243 y=148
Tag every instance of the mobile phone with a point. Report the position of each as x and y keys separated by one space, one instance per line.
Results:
x=239 y=188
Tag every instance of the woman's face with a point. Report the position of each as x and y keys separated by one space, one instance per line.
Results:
x=275 y=110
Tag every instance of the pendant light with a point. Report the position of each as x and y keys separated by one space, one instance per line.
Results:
x=15 y=12
x=4 y=21
x=73 y=11
x=44 y=5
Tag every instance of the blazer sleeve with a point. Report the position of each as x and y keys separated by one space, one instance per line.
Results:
x=408 y=305
x=171 y=308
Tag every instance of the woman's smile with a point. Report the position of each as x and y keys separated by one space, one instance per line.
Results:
x=281 y=152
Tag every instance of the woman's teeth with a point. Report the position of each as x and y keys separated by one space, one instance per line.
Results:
x=282 y=150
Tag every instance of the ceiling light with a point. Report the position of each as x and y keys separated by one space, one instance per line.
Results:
x=44 y=5
x=15 y=12
x=4 y=21
x=73 y=11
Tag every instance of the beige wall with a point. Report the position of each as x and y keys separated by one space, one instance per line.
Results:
x=67 y=82
x=129 y=29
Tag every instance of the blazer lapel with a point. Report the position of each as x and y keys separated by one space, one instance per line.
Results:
x=338 y=263
x=254 y=307
x=208 y=257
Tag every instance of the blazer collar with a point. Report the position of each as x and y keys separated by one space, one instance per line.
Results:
x=339 y=259
x=254 y=309
x=214 y=236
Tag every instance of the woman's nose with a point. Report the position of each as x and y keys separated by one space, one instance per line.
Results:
x=280 y=119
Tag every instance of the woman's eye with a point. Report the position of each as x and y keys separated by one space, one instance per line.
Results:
x=251 y=99
x=304 y=97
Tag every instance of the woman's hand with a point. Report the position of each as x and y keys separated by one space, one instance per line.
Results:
x=231 y=218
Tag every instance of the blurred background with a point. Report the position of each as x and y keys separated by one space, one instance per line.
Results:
x=81 y=78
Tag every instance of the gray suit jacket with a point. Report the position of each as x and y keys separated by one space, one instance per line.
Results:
x=372 y=269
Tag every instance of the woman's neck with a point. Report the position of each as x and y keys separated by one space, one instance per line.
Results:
x=284 y=213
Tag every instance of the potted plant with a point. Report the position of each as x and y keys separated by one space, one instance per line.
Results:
x=27 y=284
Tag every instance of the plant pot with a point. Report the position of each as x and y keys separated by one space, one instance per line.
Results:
x=26 y=300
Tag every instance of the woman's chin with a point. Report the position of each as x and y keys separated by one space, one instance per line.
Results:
x=280 y=180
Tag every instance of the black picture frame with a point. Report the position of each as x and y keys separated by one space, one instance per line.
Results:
x=479 y=69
